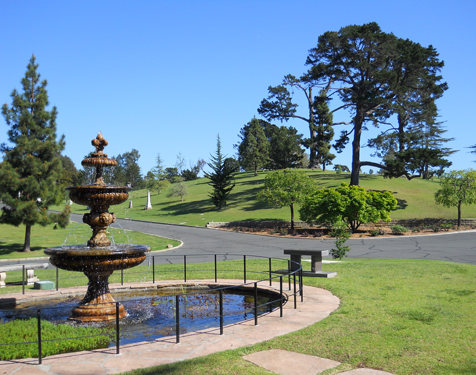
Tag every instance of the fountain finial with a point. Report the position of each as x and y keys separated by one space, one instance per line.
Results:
x=99 y=143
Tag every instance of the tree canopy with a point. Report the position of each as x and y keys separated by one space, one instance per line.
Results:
x=31 y=170
x=371 y=71
x=128 y=170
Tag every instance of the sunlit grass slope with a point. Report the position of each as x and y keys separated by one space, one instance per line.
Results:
x=415 y=200
x=12 y=239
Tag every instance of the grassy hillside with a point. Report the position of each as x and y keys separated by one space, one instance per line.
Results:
x=415 y=200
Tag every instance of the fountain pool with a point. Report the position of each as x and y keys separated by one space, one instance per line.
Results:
x=151 y=311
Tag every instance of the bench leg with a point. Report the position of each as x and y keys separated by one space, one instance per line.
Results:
x=295 y=262
x=316 y=263
x=3 y=277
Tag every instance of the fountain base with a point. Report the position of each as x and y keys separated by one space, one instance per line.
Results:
x=98 y=305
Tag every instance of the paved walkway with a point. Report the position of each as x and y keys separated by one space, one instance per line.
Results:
x=317 y=305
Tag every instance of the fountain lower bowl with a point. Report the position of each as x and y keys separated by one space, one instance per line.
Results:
x=97 y=259
x=97 y=263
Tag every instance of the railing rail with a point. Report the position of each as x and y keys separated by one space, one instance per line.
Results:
x=294 y=278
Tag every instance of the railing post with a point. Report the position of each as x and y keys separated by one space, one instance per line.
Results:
x=184 y=268
x=221 y=312
x=153 y=270
x=256 y=303
x=244 y=269
x=118 y=338
x=280 y=296
x=216 y=274
x=57 y=278
x=301 y=287
x=295 y=294
x=177 y=319
x=23 y=279
x=270 y=281
x=122 y=277
x=38 y=318
x=289 y=274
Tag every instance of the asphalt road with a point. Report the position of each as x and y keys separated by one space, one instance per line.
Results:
x=199 y=244
x=456 y=247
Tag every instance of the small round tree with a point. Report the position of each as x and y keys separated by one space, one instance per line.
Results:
x=457 y=188
x=285 y=187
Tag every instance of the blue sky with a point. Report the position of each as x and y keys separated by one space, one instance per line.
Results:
x=168 y=76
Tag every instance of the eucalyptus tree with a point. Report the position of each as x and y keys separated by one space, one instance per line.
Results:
x=280 y=106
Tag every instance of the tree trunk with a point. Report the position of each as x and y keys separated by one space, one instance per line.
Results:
x=256 y=169
x=26 y=245
x=312 y=147
x=459 y=214
x=358 y=120
x=291 y=206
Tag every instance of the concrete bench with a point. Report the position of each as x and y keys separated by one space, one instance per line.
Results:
x=29 y=268
x=316 y=262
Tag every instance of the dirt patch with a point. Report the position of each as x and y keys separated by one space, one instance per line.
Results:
x=322 y=233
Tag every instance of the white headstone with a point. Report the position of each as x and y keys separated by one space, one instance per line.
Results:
x=148 y=205
x=130 y=204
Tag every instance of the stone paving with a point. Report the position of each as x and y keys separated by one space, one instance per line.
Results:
x=317 y=305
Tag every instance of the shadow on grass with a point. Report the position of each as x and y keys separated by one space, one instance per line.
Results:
x=401 y=204
x=180 y=208
x=18 y=248
x=175 y=368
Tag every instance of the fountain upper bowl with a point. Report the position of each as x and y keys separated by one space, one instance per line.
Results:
x=93 y=195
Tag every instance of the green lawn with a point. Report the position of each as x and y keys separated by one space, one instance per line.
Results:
x=415 y=200
x=12 y=238
x=401 y=316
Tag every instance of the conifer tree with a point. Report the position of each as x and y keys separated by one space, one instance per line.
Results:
x=324 y=130
x=31 y=168
x=221 y=179
x=253 y=151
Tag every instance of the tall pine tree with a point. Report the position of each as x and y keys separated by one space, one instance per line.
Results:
x=324 y=130
x=221 y=178
x=31 y=168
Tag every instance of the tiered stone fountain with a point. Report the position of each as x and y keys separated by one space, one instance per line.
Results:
x=98 y=259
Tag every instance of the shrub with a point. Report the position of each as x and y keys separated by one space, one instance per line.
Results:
x=435 y=228
x=398 y=229
x=416 y=229
x=447 y=226
x=352 y=204
x=376 y=232
x=341 y=233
